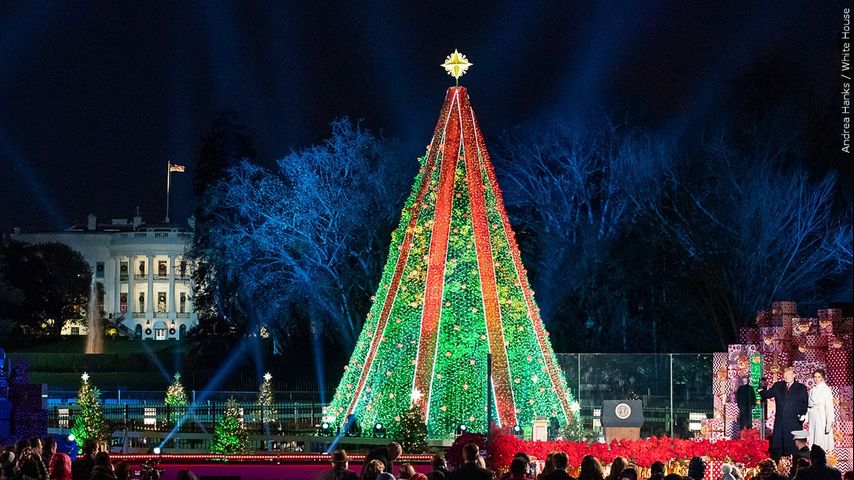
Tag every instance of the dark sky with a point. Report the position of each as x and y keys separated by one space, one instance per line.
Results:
x=96 y=97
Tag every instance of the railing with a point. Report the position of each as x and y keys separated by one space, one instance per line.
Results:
x=138 y=314
x=140 y=276
x=282 y=418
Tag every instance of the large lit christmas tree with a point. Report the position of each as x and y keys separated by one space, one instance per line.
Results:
x=453 y=290
x=176 y=394
x=230 y=435
x=266 y=400
x=89 y=421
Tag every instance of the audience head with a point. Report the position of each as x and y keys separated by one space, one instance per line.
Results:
x=726 y=469
x=591 y=469
x=373 y=469
x=817 y=456
x=629 y=474
x=102 y=459
x=89 y=446
x=471 y=452
x=406 y=470
x=186 y=475
x=767 y=467
x=617 y=466
x=438 y=461
x=518 y=467
x=560 y=460
x=394 y=451
x=524 y=456
x=49 y=444
x=60 y=466
x=122 y=472
x=340 y=459
x=697 y=468
x=36 y=444
x=657 y=468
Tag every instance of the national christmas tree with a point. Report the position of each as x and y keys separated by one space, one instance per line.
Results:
x=266 y=401
x=453 y=290
x=89 y=421
x=176 y=395
x=230 y=436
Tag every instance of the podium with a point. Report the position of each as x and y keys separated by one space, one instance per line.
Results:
x=622 y=419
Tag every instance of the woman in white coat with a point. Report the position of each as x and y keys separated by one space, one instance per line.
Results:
x=820 y=414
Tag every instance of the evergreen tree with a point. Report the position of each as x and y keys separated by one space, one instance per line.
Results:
x=176 y=395
x=413 y=434
x=266 y=401
x=230 y=435
x=89 y=422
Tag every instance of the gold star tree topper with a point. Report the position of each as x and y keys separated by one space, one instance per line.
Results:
x=456 y=65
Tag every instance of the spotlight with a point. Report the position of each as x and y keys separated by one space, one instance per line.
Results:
x=155 y=450
x=517 y=430
x=71 y=437
x=325 y=429
x=462 y=429
x=379 y=429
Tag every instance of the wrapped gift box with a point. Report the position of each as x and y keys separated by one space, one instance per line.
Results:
x=748 y=335
x=841 y=458
x=838 y=359
x=842 y=402
x=804 y=371
x=782 y=307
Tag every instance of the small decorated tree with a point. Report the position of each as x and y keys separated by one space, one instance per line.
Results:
x=176 y=395
x=413 y=430
x=266 y=400
x=89 y=421
x=230 y=436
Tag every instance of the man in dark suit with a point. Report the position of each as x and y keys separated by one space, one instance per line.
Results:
x=387 y=455
x=790 y=399
x=471 y=470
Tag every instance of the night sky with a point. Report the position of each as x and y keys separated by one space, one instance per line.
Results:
x=96 y=97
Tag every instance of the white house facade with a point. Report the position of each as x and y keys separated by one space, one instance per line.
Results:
x=145 y=276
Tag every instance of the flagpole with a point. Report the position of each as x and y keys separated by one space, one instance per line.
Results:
x=168 y=184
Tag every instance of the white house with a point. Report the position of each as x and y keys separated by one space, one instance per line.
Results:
x=145 y=278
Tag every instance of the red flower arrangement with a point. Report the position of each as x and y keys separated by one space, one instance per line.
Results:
x=502 y=448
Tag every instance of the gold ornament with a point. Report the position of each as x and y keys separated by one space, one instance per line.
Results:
x=456 y=65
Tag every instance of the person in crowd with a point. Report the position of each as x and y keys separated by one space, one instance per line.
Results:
x=629 y=473
x=36 y=445
x=20 y=446
x=591 y=469
x=768 y=470
x=190 y=475
x=518 y=470
x=818 y=469
x=340 y=467
x=103 y=469
x=407 y=471
x=387 y=455
x=470 y=469
x=48 y=449
x=561 y=463
x=82 y=467
x=820 y=415
x=440 y=468
x=696 y=468
x=7 y=464
x=617 y=466
x=122 y=471
x=524 y=458
x=30 y=465
x=656 y=471
x=59 y=467
x=802 y=451
x=548 y=466
x=726 y=472
x=791 y=400
x=372 y=470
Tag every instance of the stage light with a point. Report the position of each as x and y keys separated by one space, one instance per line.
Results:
x=379 y=429
x=461 y=429
x=155 y=450
x=325 y=429
x=71 y=437
x=517 y=430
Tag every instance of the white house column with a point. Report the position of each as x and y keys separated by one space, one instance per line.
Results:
x=132 y=303
x=149 y=302
x=171 y=294
x=117 y=290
